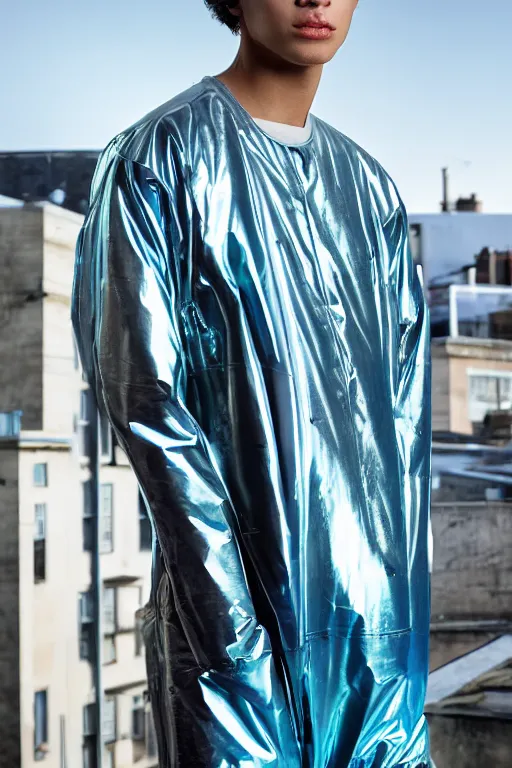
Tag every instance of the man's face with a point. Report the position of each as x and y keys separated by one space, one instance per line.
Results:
x=292 y=29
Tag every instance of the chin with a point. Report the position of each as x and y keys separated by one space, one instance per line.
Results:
x=310 y=58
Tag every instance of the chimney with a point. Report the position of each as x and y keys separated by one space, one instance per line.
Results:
x=469 y=204
x=445 y=205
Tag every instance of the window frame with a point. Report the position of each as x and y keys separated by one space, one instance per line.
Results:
x=83 y=425
x=87 y=516
x=144 y=525
x=109 y=622
x=36 y=467
x=484 y=373
x=151 y=739
x=106 y=439
x=85 y=643
x=40 y=542
x=111 y=737
x=138 y=724
x=139 y=635
x=106 y=544
x=86 y=607
x=40 y=507
x=89 y=724
x=42 y=738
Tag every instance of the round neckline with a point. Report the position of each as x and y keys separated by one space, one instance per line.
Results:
x=251 y=122
x=291 y=134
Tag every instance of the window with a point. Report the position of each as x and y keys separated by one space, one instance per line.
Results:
x=88 y=519
x=139 y=635
x=10 y=424
x=143 y=729
x=41 y=475
x=106 y=439
x=40 y=725
x=138 y=719
x=86 y=617
x=89 y=752
x=145 y=528
x=151 y=743
x=488 y=392
x=89 y=733
x=85 y=642
x=84 y=405
x=89 y=718
x=76 y=356
x=86 y=607
x=106 y=519
x=109 y=719
x=109 y=649
x=109 y=610
x=84 y=424
x=40 y=522
x=40 y=543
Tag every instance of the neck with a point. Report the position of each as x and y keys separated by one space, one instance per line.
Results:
x=271 y=89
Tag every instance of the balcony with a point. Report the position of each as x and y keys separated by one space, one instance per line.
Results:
x=471 y=311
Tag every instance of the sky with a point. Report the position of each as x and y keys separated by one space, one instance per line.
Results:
x=420 y=84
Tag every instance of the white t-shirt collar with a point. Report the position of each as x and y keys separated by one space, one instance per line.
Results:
x=288 y=134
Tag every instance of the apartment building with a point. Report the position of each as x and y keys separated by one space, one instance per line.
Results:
x=55 y=656
x=471 y=377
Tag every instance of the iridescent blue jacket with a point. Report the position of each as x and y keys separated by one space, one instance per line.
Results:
x=252 y=322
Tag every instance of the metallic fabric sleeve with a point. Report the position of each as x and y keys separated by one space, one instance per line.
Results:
x=251 y=319
x=414 y=418
x=216 y=655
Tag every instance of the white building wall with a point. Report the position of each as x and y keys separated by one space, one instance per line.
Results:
x=60 y=376
x=49 y=620
x=49 y=616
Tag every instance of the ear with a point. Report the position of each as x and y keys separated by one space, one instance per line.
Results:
x=234 y=7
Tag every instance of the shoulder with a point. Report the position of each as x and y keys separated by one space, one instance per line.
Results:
x=366 y=170
x=158 y=140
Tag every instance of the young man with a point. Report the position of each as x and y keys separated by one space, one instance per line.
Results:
x=250 y=318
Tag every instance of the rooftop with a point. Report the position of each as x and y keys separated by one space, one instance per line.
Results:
x=478 y=684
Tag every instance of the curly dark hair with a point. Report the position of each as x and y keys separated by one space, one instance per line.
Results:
x=220 y=9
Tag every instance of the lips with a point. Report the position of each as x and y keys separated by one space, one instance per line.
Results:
x=315 y=23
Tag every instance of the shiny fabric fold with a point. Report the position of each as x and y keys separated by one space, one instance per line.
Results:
x=252 y=323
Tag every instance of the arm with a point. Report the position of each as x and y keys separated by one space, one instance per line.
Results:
x=413 y=417
x=126 y=304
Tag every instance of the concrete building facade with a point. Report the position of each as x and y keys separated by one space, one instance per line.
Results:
x=471 y=723
x=470 y=378
x=48 y=681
